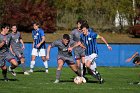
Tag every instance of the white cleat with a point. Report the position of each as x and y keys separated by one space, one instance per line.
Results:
x=56 y=81
x=47 y=71
x=12 y=71
x=31 y=71
x=84 y=80
x=26 y=73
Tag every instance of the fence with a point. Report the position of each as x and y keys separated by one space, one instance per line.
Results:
x=115 y=58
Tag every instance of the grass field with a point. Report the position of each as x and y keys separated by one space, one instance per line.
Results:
x=117 y=80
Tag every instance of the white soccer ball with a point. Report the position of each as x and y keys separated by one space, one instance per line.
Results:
x=78 y=80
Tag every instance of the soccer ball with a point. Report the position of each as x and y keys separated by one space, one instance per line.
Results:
x=78 y=80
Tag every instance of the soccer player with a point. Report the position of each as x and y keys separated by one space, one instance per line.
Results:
x=79 y=52
x=65 y=46
x=136 y=58
x=16 y=48
x=5 y=54
x=39 y=47
x=88 y=38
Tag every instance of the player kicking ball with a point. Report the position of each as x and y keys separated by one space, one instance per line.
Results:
x=65 y=46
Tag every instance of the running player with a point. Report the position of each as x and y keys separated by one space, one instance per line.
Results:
x=4 y=49
x=65 y=45
x=17 y=49
x=79 y=52
x=88 y=38
x=39 y=47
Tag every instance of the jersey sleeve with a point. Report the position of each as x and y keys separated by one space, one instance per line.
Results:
x=42 y=32
x=55 y=43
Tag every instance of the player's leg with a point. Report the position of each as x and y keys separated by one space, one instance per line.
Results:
x=4 y=72
x=83 y=67
x=60 y=63
x=14 y=64
x=34 y=54
x=42 y=53
x=45 y=63
x=22 y=60
x=32 y=63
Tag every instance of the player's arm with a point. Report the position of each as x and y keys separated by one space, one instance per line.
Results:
x=21 y=41
x=2 y=43
x=42 y=41
x=103 y=39
x=134 y=55
x=75 y=45
x=11 y=50
x=48 y=52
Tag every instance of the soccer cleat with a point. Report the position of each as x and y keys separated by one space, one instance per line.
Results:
x=31 y=71
x=83 y=80
x=12 y=71
x=6 y=79
x=26 y=73
x=47 y=71
x=101 y=81
x=56 y=81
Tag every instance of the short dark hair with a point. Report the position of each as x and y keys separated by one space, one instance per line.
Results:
x=66 y=36
x=4 y=25
x=81 y=21
x=84 y=25
x=136 y=59
x=37 y=23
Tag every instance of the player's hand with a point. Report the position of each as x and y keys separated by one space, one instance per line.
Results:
x=23 y=47
x=70 y=49
x=109 y=47
x=38 y=45
x=128 y=60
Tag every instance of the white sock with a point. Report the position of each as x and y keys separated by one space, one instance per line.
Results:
x=32 y=64
x=46 y=64
x=93 y=66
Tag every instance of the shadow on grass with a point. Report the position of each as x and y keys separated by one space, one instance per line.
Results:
x=10 y=80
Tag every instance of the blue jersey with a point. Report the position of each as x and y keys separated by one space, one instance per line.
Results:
x=90 y=42
x=37 y=36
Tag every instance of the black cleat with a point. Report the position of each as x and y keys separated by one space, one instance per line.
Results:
x=6 y=79
x=101 y=81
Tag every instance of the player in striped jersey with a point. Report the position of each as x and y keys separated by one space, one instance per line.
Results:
x=88 y=38
x=39 y=47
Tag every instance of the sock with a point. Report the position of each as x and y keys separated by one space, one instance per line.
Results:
x=23 y=67
x=46 y=64
x=4 y=73
x=77 y=73
x=81 y=69
x=58 y=73
x=32 y=64
x=84 y=69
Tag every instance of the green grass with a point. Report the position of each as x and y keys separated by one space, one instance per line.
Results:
x=117 y=80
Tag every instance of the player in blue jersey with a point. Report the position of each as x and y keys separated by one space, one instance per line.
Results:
x=88 y=38
x=39 y=47
x=5 y=54
x=17 y=47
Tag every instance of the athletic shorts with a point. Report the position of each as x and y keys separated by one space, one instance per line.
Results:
x=6 y=56
x=91 y=57
x=19 y=54
x=38 y=52
x=68 y=60
x=79 y=52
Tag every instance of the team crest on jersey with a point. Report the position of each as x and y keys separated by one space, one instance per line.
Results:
x=89 y=38
x=37 y=34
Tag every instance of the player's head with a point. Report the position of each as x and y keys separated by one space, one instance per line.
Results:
x=80 y=22
x=36 y=25
x=14 y=28
x=66 y=39
x=84 y=27
x=136 y=60
x=5 y=27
